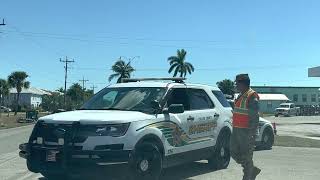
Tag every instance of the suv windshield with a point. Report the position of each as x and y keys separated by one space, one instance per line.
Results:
x=125 y=99
x=284 y=106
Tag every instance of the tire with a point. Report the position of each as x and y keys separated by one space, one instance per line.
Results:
x=146 y=163
x=221 y=154
x=276 y=115
x=267 y=139
x=55 y=176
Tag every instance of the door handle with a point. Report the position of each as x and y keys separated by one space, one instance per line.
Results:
x=190 y=118
x=216 y=115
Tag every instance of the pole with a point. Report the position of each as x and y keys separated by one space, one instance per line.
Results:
x=65 y=78
x=83 y=88
x=93 y=87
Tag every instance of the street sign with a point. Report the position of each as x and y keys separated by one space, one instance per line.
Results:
x=314 y=72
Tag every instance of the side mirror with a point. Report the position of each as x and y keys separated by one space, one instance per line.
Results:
x=174 y=108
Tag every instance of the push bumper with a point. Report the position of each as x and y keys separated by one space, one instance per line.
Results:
x=60 y=159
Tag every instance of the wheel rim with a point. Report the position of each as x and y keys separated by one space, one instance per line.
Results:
x=266 y=138
x=144 y=165
x=222 y=152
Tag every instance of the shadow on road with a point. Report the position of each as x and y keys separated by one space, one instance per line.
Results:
x=183 y=172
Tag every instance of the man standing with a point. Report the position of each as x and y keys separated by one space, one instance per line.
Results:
x=245 y=124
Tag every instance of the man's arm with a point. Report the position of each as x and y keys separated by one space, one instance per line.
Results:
x=253 y=112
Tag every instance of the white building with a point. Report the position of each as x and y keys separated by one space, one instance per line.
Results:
x=29 y=98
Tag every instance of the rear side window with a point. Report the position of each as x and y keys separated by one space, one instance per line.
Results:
x=199 y=99
x=220 y=96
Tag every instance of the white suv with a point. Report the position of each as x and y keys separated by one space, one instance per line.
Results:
x=145 y=125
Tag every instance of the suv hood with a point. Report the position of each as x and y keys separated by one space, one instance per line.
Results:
x=96 y=117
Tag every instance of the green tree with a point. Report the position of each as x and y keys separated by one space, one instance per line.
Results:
x=60 y=90
x=4 y=90
x=178 y=64
x=18 y=80
x=74 y=96
x=227 y=86
x=52 y=102
x=121 y=70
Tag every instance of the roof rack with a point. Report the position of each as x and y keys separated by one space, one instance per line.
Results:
x=175 y=79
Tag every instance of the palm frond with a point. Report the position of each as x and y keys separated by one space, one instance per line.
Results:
x=178 y=68
x=172 y=67
x=112 y=76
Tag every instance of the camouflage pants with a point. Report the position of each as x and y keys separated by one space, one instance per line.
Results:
x=241 y=148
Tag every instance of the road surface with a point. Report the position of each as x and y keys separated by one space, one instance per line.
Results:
x=280 y=163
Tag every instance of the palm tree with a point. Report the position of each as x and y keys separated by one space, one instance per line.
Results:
x=179 y=65
x=4 y=90
x=121 y=70
x=17 y=80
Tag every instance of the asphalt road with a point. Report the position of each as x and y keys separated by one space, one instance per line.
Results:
x=280 y=163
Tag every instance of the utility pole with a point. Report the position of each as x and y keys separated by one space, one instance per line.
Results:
x=83 y=81
x=93 y=87
x=66 y=61
x=83 y=88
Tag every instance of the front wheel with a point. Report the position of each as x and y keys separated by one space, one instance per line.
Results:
x=146 y=163
x=221 y=155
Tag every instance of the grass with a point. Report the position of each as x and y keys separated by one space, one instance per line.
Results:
x=11 y=120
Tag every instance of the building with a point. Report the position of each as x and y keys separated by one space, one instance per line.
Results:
x=269 y=102
x=29 y=98
x=301 y=96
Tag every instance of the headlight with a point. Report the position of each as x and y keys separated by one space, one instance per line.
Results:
x=114 y=130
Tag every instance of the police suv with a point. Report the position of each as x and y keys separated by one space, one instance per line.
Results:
x=145 y=125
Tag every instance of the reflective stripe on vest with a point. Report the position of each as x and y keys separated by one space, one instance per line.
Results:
x=241 y=111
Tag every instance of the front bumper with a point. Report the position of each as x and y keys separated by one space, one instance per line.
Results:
x=65 y=158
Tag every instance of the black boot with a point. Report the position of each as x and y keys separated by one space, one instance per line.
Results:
x=255 y=173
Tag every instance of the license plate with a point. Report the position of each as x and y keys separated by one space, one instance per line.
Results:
x=52 y=155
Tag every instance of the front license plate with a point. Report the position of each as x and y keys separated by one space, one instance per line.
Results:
x=52 y=155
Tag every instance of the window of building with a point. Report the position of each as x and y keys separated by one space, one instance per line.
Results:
x=313 y=98
x=295 y=98
x=304 y=98
x=269 y=104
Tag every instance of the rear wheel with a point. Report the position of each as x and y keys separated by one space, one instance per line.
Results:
x=146 y=163
x=221 y=155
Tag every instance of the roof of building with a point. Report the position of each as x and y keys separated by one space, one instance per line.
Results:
x=264 y=97
x=30 y=90
x=281 y=97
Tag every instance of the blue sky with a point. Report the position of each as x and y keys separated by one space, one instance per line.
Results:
x=274 y=41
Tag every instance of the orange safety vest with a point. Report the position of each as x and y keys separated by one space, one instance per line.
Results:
x=241 y=109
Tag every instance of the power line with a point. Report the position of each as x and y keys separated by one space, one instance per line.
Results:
x=66 y=61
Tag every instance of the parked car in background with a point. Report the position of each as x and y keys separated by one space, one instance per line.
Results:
x=5 y=109
x=287 y=109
